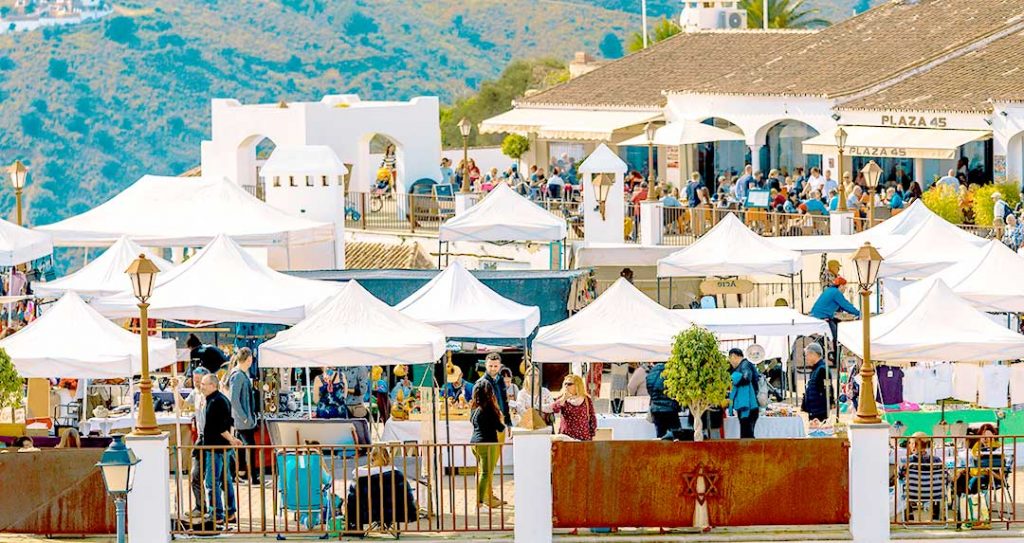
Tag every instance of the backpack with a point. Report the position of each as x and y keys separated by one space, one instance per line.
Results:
x=760 y=387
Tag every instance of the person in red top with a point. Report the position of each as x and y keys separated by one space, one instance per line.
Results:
x=579 y=421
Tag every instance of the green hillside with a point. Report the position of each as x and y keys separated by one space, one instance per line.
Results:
x=93 y=107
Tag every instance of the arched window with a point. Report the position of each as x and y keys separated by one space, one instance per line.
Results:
x=785 y=146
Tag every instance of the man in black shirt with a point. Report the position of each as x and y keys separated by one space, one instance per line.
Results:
x=493 y=365
x=207 y=356
x=217 y=433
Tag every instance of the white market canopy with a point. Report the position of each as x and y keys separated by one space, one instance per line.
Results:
x=990 y=279
x=603 y=160
x=755 y=321
x=558 y=124
x=103 y=276
x=504 y=215
x=72 y=340
x=303 y=160
x=930 y=248
x=934 y=324
x=730 y=249
x=224 y=283
x=621 y=325
x=186 y=212
x=354 y=328
x=685 y=132
x=19 y=244
x=462 y=307
x=876 y=141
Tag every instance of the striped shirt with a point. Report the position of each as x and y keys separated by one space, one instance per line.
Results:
x=926 y=478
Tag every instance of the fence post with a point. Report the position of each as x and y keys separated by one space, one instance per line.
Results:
x=652 y=222
x=869 y=482
x=531 y=451
x=149 y=503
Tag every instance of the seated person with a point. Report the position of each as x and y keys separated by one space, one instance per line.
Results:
x=925 y=479
x=814 y=205
x=24 y=444
x=379 y=493
x=456 y=386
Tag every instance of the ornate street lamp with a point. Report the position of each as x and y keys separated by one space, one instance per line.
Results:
x=143 y=274
x=465 y=127
x=117 y=465
x=602 y=185
x=650 y=130
x=19 y=173
x=872 y=173
x=841 y=146
x=867 y=261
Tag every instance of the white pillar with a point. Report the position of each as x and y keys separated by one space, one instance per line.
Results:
x=651 y=221
x=149 y=504
x=840 y=223
x=755 y=157
x=464 y=201
x=919 y=172
x=531 y=450
x=869 y=482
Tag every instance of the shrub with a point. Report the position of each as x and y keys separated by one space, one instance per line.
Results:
x=10 y=383
x=982 y=204
x=697 y=374
x=515 y=146
x=945 y=202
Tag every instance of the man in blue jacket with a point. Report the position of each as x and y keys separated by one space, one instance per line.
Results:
x=829 y=303
x=743 y=395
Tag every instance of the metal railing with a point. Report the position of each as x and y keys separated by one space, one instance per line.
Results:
x=340 y=490
x=683 y=225
x=388 y=211
x=258 y=190
x=957 y=481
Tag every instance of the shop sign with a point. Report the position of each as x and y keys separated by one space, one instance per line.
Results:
x=899 y=152
x=672 y=157
x=726 y=286
x=913 y=121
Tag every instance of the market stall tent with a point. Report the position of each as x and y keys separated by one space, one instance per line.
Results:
x=730 y=249
x=934 y=324
x=928 y=248
x=72 y=340
x=990 y=279
x=353 y=328
x=19 y=244
x=224 y=283
x=621 y=325
x=463 y=307
x=755 y=321
x=504 y=215
x=103 y=276
x=186 y=212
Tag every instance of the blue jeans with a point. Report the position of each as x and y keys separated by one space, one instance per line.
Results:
x=216 y=480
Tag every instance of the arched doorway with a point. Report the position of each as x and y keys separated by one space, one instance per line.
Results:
x=720 y=157
x=251 y=154
x=784 y=141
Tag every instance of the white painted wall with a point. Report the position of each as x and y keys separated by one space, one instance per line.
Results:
x=317 y=203
x=149 y=504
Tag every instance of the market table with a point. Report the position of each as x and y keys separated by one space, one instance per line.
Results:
x=105 y=425
x=626 y=427
x=407 y=431
x=924 y=421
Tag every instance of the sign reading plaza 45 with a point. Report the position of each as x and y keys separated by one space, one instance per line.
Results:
x=726 y=286
x=913 y=121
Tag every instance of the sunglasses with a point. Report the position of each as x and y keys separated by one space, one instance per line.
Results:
x=568 y=384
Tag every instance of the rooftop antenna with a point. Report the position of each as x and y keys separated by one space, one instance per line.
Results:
x=643 y=20
x=764 y=13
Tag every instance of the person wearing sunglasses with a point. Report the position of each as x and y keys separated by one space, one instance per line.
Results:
x=579 y=420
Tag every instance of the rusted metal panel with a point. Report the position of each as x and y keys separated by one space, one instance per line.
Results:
x=56 y=491
x=652 y=483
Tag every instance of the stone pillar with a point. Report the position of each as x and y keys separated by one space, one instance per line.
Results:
x=531 y=450
x=919 y=173
x=149 y=504
x=464 y=201
x=652 y=217
x=755 y=158
x=840 y=223
x=869 y=482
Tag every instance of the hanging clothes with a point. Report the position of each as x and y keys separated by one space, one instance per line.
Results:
x=994 y=386
x=1017 y=384
x=928 y=383
x=890 y=385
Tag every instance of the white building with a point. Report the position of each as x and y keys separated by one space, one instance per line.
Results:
x=922 y=86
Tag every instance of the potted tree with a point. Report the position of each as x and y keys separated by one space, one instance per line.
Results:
x=697 y=374
x=11 y=400
x=515 y=146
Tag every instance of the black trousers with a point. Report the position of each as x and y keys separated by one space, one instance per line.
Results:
x=747 y=424
x=248 y=437
x=821 y=417
x=665 y=422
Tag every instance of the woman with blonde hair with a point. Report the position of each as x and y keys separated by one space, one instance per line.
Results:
x=69 y=439
x=579 y=420
x=527 y=396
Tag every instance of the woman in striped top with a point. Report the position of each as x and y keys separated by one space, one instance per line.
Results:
x=925 y=477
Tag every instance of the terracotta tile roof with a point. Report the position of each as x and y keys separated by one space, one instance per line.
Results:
x=865 y=50
x=639 y=79
x=384 y=256
x=964 y=84
x=194 y=172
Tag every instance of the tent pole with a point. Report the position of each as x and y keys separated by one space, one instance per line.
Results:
x=792 y=291
x=448 y=442
x=309 y=395
x=439 y=243
x=658 y=287
x=669 y=292
x=801 y=291
x=434 y=462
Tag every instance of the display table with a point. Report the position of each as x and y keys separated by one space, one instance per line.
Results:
x=106 y=425
x=409 y=431
x=924 y=421
x=625 y=427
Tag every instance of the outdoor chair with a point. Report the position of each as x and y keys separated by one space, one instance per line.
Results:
x=305 y=487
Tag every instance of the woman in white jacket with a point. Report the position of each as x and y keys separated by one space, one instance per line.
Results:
x=526 y=397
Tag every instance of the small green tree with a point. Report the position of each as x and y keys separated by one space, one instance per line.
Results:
x=697 y=374
x=515 y=146
x=665 y=29
x=10 y=383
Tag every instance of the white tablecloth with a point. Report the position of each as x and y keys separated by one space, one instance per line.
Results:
x=104 y=426
x=637 y=427
x=422 y=432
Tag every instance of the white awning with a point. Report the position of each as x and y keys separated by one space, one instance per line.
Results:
x=572 y=124
x=877 y=141
x=685 y=132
